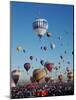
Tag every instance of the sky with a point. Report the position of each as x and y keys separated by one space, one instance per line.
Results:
x=60 y=23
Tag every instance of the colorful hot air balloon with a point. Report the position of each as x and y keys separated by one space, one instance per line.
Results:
x=27 y=66
x=39 y=74
x=68 y=62
x=15 y=74
x=49 y=66
x=40 y=26
x=47 y=79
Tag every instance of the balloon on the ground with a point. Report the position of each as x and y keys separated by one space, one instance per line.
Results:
x=60 y=77
x=70 y=75
x=15 y=74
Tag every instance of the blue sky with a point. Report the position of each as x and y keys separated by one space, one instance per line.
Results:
x=60 y=23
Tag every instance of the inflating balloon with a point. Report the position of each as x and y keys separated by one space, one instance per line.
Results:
x=40 y=26
x=15 y=74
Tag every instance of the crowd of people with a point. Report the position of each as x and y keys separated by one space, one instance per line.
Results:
x=47 y=89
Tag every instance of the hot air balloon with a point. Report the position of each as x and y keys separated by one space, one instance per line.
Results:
x=39 y=74
x=24 y=50
x=31 y=57
x=46 y=70
x=49 y=34
x=68 y=69
x=19 y=48
x=68 y=62
x=49 y=66
x=53 y=46
x=56 y=68
x=47 y=79
x=42 y=62
x=27 y=66
x=61 y=57
x=70 y=75
x=45 y=48
x=15 y=74
x=40 y=26
x=60 y=77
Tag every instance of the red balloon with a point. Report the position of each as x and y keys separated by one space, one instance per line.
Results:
x=49 y=66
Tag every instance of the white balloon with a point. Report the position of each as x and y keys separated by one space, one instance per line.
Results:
x=40 y=26
x=53 y=46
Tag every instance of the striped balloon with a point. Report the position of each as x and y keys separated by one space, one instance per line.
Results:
x=40 y=26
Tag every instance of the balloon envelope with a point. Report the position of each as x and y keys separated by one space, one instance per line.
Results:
x=53 y=46
x=49 y=66
x=15 y=75
x=42 y=62
x=31 y=57
x=49 y=34
x=27 y=66
x=40 y=26
x=19 y=48
x=38 y=74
